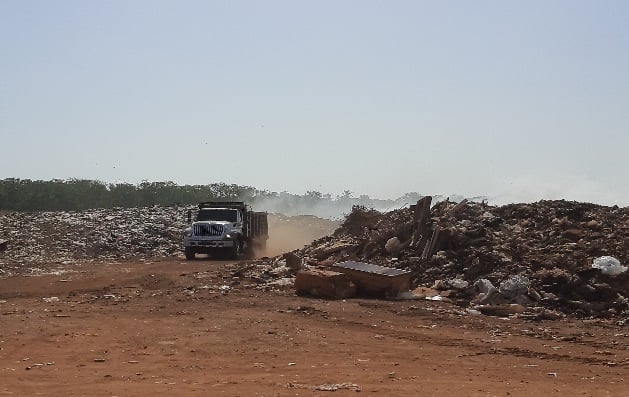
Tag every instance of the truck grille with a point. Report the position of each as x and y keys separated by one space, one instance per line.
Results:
x=207 y=230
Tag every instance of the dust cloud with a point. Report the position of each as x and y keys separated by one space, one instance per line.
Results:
x=288 y=233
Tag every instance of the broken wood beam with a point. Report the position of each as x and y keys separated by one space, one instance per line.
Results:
x=429 y=250
x=420 y=219
x=458 y=207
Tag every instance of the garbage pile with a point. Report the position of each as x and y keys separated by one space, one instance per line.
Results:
x=561 y=256
x=98 y=234
x=29 y=240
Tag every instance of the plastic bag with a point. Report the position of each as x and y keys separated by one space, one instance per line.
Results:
x=609 y=265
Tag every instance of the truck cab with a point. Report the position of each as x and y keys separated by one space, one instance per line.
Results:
x=224 y=227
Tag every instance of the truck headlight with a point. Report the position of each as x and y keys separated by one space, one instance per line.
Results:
x=187 y=233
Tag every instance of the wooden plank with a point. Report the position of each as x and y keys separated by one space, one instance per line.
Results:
x=429 y=249
x=420 y=221
x=458 y=207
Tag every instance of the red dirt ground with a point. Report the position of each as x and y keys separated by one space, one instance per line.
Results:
x=181 y=328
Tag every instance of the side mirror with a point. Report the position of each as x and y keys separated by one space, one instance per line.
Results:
x=189 y=216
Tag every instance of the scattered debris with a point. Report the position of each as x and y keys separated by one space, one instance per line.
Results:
x=539 y=255
x=293 y=261
x=326 y=386
x=609 y=265
x=514 y=286
x=338 y=386
x=38 y=365
x=501 y=310
x=552 y=258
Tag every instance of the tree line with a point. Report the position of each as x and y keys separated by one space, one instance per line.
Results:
x=81 y=194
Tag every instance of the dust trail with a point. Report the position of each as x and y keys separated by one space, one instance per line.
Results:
x=288 y=233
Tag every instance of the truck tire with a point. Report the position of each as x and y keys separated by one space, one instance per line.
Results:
x=236 y=250
x=189 y=252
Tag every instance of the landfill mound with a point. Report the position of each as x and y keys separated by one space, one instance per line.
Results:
x=97 y=234
x=537 y=255
x=29 y=240
x=551 y=257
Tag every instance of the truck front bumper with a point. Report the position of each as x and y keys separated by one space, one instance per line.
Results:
x=209 y=243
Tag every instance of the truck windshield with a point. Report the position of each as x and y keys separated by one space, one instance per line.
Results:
x=217 y=214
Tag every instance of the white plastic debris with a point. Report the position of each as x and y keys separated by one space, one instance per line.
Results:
x=283 y=282
x=457 y=283
x=485 y=286
x=609 y=265
x=338 y=386
x=514 y=286
x=486 y=289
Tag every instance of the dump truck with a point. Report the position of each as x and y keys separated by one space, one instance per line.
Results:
x=225 y=228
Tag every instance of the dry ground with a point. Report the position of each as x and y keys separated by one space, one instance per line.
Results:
x=173 y=327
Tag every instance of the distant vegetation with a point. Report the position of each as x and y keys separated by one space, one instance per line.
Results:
x=79 y=194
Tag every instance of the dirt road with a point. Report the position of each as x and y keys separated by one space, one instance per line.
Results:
x=172 y=327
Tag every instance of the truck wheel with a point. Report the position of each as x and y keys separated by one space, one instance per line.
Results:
x=249 y=251
x=189 y=252
x=236 y=250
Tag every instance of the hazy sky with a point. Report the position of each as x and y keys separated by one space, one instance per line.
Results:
x=521 y=100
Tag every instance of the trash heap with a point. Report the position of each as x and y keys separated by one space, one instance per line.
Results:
x=557 y=257
x=30 y=240
x=97 y=234
x=561 y=256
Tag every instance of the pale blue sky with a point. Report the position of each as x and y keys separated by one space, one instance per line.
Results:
x=517 y=99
